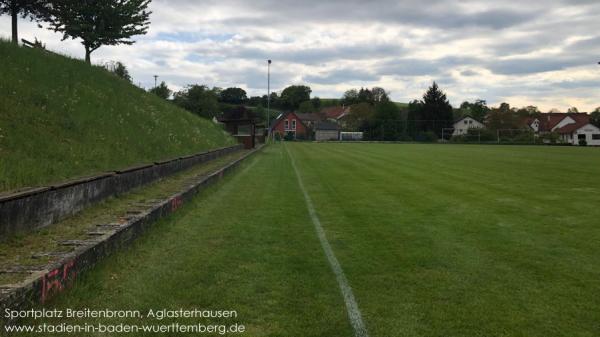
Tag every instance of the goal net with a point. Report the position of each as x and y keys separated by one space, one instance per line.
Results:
x=515 y=136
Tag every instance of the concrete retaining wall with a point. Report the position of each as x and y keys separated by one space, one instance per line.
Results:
x=42 y=286
x=36 y=208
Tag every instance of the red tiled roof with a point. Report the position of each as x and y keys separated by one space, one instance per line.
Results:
x=334 y=112
x=581 y=120
x=312 y=117
x=550 y=120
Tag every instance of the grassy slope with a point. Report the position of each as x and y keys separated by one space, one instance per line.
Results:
x=435 y=241
x=60 y=118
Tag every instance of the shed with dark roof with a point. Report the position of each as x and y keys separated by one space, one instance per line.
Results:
x=327 y=130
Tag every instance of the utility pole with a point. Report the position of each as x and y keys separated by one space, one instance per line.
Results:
x=269 y=98
x=155 y=80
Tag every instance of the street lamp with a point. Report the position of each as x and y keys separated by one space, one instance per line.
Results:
x=155 y=79
x=268 y=98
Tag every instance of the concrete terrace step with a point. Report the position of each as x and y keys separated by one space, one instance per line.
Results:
x=30 y=209
x=42 y=263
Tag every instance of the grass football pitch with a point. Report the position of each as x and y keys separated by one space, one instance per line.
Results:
x=433 y=240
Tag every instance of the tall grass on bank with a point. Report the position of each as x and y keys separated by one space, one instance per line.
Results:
x=60 y=118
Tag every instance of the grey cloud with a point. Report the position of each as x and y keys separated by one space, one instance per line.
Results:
x=315 y=55
x=578 y=84
x=420 y=67
x=439 y=13
x=534 y=65
x=341 y=76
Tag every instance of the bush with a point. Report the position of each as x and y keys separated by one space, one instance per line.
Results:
x=582 y=142
x=549 y=138
x=476 y=135
x=526 y=137
x=278 y=136
x=289 y=136
x=427 y=137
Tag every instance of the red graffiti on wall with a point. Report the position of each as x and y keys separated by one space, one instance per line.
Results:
x=55 y=281
x=176 y=203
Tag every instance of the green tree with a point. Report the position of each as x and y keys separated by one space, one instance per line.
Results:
x=121 y=70
x=198 y=99
x=528 y=111
x=366 y=96
x=261 y=112
x=414 y=124
x=99 y=23
x=595 y=118
x=316 y=102
x=306 y=107
x=292 y=96
x=256 y=101
x=33 y=9
x=503 y=117
x=435 y=111
x=573 y=110
x=387 y=121
x=233 y=96
x=477 y=109
x=161 y=91
x=380 y=95
x=350 y=97
x=359 y=117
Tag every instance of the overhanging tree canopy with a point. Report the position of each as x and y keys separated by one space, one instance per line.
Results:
x=34 y=9
x=99 y=22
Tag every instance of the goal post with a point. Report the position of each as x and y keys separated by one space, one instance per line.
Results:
x=471 y=135
x=515 y=136
x=447 y=134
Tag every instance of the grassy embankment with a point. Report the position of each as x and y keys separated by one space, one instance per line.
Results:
x=435 y=241
x=60 y=118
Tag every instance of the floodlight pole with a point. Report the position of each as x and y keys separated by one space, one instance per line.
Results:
x=268 y=98
x=155 y=80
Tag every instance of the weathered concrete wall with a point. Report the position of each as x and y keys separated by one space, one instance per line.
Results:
x=41 y=287
x=28 y=210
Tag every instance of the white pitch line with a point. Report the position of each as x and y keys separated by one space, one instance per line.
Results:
x=353 y=312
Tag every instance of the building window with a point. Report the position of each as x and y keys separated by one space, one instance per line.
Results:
x=294 y=124
x=596 y=136
x=286 y=124
x=466 y=121
x=581 y=136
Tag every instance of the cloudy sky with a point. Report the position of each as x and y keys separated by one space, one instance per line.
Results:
x=534 y=52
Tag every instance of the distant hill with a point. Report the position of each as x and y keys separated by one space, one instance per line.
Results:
x=60 y=118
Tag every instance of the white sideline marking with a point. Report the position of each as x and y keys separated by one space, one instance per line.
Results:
x=353 y=312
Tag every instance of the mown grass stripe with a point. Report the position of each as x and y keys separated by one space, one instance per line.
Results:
x=351 y=306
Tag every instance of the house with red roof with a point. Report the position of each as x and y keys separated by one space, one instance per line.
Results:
x=335 y=112
x=295 y=125
x=309 y=126
x=572 y=128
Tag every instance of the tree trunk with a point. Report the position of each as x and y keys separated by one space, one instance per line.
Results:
x=88 y=53
x=15 y=33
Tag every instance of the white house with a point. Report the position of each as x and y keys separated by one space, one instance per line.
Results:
x=572 y=128
x=590 y=133
x=462 y=126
